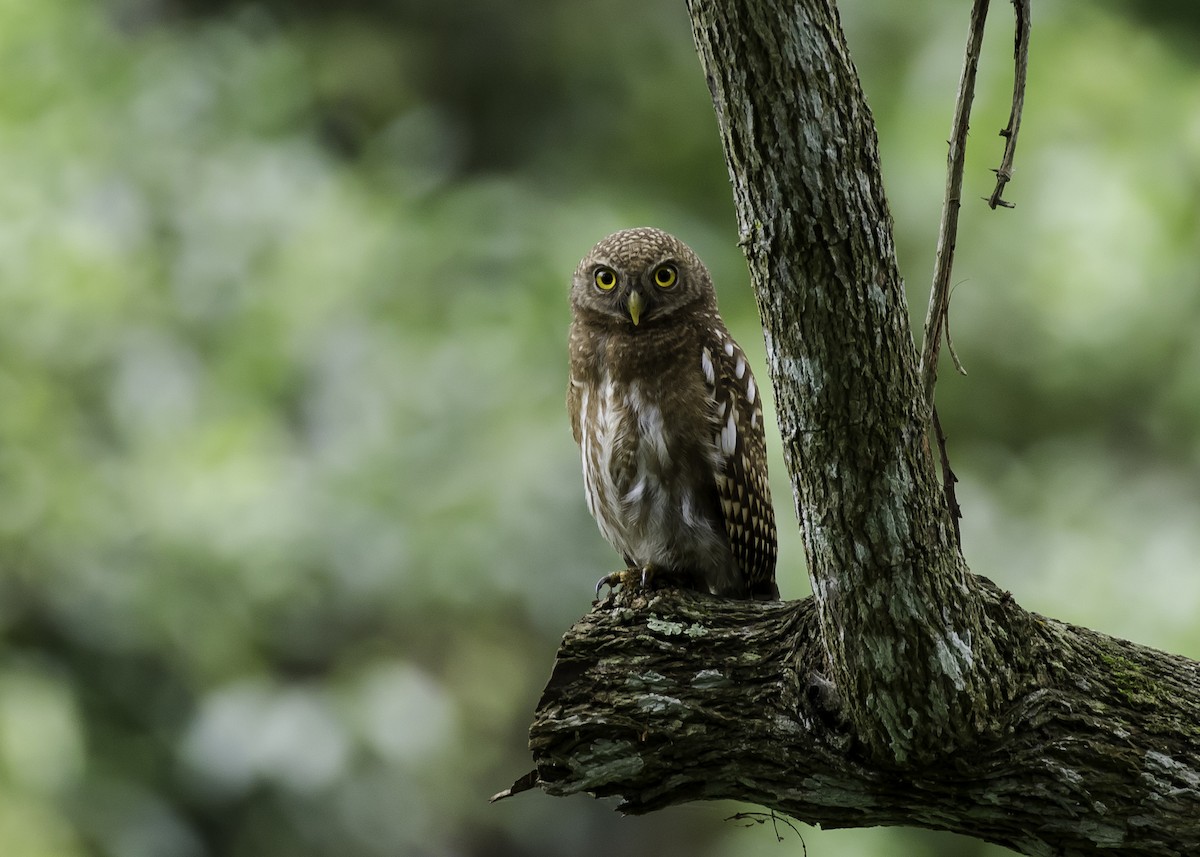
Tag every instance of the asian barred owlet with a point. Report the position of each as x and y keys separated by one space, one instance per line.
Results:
x=668 y=419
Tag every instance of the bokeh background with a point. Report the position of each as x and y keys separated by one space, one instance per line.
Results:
x=290 y=515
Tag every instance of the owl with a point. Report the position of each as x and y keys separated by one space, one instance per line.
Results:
x=669 y=421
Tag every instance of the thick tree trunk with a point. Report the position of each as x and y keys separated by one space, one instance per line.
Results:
x=909 y=648
x=907 y=691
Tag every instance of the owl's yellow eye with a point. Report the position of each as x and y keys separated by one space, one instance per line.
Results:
x=606 y=278
x=665 y=276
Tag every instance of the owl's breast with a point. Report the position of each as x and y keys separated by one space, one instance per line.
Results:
x=625 y=448
x=645 y=480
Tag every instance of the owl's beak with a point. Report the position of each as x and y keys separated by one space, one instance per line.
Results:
x=636 y=305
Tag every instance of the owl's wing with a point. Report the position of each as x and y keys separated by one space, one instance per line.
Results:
x=576 y=348
x=573 y=406
x=742 y=481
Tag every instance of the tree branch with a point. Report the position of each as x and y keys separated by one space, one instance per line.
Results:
x=680 y=697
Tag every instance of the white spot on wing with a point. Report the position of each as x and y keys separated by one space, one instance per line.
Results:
x=751 y=390
x=729 y=347
x=740 y=368
x=707 y=365
x=729 y=434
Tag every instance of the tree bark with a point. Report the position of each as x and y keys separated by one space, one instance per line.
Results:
x=907 y=690
x=675 y=697
x=909 y=649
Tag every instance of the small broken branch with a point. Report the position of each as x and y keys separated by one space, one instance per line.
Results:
x=1010 y=132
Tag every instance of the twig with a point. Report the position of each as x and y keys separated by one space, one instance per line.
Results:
x=939 y=301
x=1021 y=58
x=948 y=480
x=937 y=321
x=962 y=370
x=761 y=818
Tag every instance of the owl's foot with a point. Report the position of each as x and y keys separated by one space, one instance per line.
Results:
x=644 y=577
x=626 y=578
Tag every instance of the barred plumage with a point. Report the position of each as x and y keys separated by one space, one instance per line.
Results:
x=669 y=419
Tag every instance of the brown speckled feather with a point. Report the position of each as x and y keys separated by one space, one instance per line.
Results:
x=743 y=488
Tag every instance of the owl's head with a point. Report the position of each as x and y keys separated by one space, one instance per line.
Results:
x=636 y=277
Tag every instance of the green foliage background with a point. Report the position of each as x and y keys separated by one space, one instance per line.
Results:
x=290 y=515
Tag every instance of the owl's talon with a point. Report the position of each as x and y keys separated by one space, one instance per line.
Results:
x=628 y=579
x=613 y=580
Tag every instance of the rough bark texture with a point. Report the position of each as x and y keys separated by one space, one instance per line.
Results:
x=907 y=690
x=908 y=647
x=677 y=697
